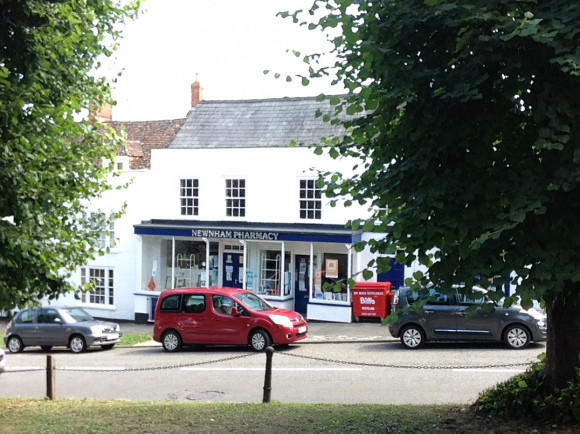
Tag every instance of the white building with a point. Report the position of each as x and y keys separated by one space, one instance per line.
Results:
x=221 y=199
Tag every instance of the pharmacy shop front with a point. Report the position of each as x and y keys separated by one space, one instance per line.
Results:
x=287 y=264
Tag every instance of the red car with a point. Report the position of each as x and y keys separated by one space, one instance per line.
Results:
x=223 y=316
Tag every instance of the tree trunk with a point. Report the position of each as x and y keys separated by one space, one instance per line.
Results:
x=563 y=346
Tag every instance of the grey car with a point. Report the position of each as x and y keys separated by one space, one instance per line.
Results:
x=444 y=318
x=52 y=326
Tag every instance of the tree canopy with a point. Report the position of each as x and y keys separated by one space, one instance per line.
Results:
x=469 y=134
x=51 y=162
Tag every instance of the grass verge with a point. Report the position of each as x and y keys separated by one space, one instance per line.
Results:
x=134 y=338
x=72 y=416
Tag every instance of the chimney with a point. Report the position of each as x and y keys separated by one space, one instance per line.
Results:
x=103 y=114
x=196 y=92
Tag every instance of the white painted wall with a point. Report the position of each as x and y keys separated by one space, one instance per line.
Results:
x=272 y=183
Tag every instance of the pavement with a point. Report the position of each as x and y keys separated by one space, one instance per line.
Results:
x=367 y=330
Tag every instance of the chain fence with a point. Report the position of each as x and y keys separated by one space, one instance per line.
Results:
x=386 y=365
x=287 y=354
x=154 y=368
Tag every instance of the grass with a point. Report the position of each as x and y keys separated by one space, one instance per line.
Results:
x=134 y=338
x=74 y=416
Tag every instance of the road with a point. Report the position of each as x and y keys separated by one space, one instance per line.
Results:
x=437 y=374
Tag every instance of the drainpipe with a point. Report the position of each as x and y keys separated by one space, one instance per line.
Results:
x=206 y=262
x=245 y=263
x=172 y=262
x=349 y=271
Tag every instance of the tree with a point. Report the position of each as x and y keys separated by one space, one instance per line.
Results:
x=50 y=163
x=468 y=130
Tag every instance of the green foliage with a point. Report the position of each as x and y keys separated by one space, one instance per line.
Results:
x=465 y=124
x=472 y=138
x=50 y=163
x=523 y=396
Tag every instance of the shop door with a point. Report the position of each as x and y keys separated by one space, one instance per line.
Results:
x=302 y=283
x=233 y=269
x=396 y=275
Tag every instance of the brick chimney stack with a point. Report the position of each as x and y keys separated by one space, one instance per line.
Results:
x=196 y=92
x=105 y=114
x=102 y=114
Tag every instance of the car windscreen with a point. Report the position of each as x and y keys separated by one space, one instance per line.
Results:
x=254 y=302
x=75 y=314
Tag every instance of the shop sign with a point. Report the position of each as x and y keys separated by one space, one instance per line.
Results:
x=236 y=235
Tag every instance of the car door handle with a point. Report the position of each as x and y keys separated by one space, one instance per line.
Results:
x=429 y=311
x=461 y=313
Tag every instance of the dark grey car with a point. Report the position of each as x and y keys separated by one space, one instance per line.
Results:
x=52 y=326
x=444 y=318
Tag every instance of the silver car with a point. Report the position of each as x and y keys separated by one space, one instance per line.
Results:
x=52 y=326
x=444 y=318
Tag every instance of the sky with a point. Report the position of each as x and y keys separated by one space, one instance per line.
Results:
x=227 y=44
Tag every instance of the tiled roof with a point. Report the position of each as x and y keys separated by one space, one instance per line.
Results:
x=142 y=136
x=255 y=123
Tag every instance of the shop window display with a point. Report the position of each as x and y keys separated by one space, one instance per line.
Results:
x=270 y=273
x=331 y=281
x=190 y=264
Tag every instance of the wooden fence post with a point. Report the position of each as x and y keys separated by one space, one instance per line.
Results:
x=50 y=378
x=268 y=378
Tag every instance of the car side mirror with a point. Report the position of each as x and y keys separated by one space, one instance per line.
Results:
x=57 y=320
x=235 y=312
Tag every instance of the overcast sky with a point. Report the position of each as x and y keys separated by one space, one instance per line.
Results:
x=228 y=43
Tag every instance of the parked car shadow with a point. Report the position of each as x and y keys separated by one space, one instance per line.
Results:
x=396 y=346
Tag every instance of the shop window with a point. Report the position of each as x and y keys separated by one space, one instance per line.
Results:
x=235 y=197
x=334 y=277
x=189 y=196
x=310 y=200
x=190 y=263
x=103 y=279
x=270 y=273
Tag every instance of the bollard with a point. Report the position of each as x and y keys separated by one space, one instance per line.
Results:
x=50 y=378
x=268 y=378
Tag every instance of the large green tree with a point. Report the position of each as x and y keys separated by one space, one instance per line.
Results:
x=50 y=161
x=469 y=132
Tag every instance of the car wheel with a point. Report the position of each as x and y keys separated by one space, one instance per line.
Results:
x=260 y=340
x=15 y=344
x=77 y=344
x=517 y=337
x=413 y=337
x=107 y=347
x=46 y=347
x=171 y=341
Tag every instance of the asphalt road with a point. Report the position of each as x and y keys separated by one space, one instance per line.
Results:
x=437 y=374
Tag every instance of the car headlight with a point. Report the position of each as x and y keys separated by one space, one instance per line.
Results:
x=541 y=324
x=281 y=320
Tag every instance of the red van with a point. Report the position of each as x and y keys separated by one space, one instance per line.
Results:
x=223 y=316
